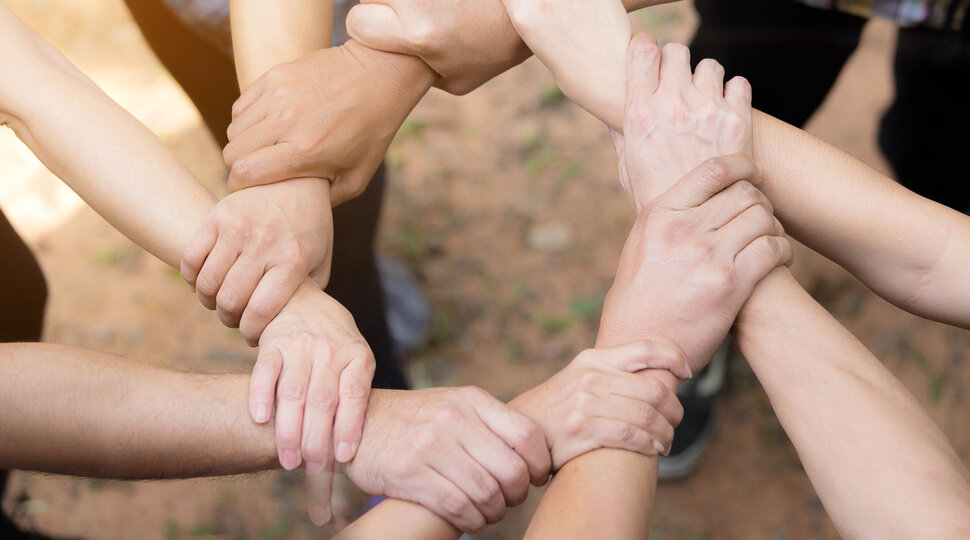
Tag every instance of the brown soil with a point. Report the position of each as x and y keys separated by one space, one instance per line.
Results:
x=473 y=179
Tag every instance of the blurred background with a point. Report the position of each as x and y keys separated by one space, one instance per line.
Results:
x=505 y=205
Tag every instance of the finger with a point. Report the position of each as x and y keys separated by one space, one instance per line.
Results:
x=737 y=94
x=262 y=385
x=443 y=497
x=519 y=432
x=319 y=489
x=709 y=178
x=265 y=165
x=378 y=27
x=644 y=355
x=650 y=392
x=744 y=229
x=321 y=404
x=732 y=202
x=272 y=293
x=709 y=79
x=636 y=414
x=761 y=257
x=260 y=135
x=250 y=96
x=213 y=273
x=354 y=387
x=675 y=74
x=502 y=463
x=642 y=67
x=237 y=289
x=474 y=482
x=253 y=116
x=290 y=402
x=612 y=433
x=196 y=252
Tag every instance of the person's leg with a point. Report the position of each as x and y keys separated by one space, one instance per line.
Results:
x=23 y=298
x=207 y=74
x=790 y=53
x=924 y=133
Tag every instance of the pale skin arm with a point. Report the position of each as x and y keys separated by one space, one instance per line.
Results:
x=908 y=249
x=879 y=464
x=74 y=129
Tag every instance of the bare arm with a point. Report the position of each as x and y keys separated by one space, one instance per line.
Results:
x=76 y=130
x=879 y=464
x=78 y=412
x=908 y=249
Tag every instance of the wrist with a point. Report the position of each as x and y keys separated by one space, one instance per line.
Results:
x=409 y=74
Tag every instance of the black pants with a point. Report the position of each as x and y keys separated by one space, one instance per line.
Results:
x=209 y=78
x=23 y=297
x=793 y=53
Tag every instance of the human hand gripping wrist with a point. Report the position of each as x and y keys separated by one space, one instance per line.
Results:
x=673 y=120
x=601 y=400
x=331 y=114
x=459 y=452
x=466 y=43
x=318 y=367
x=692 y=259
x=256 y=248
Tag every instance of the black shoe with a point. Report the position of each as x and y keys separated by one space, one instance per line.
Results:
x=699 y=399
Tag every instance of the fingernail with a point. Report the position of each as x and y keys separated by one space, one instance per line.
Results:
x=313 y=469
x=289 y=460
x=343 y=452
x=690 y=372
x=659 y=447
x=262 y=413
x=319 y=515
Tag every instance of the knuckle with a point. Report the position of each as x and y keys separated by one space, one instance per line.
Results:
x=353 y=390
x=425 y=438
x=627 y=434
x=590 y=379
x=676 y=50
x=455 y=505
x=446 y=414
x=321 y=401
x=716 y=169
x=575 y=424
x=292 y=391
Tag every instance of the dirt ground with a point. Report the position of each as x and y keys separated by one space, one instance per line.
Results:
x=476 y=184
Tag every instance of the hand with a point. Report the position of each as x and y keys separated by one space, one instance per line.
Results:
x=330 y=114
x=256 y=248
x=582 y=42
x=466 y=43
x=459 y=452
x=314 y=360
x=674 y=121
x=599 y=401
x=693 y=258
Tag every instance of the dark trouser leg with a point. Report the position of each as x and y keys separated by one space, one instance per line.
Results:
x=925 y=134
x=791 y=53
x=23 y=297
x=208 y=76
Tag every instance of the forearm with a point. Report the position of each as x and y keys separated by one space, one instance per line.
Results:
x=265 y=34
x=78 y=412
x=880 y=466
x=908 y=249
x=606 y=493
x=399 y=519
x=109 y=158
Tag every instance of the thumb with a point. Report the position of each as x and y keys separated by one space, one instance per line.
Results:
x=377 y=26
x=646 y=355
x=709 y=178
